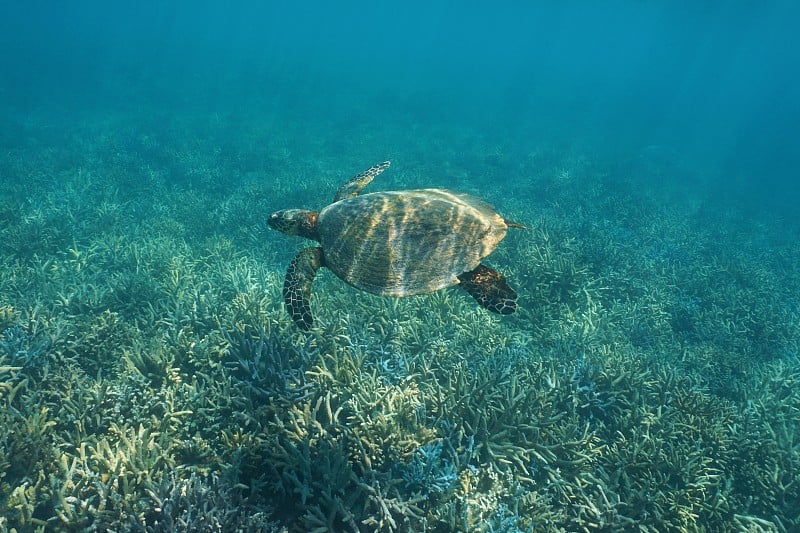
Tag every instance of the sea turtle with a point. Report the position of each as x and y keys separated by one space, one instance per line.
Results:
x=397 y=243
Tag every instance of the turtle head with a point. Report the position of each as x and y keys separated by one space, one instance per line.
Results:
x=295 y=222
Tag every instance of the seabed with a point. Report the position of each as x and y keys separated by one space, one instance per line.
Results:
x=150 y=379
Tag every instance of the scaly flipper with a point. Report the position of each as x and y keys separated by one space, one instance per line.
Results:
x=297 y=285
x=490 y=289
x=354 y=186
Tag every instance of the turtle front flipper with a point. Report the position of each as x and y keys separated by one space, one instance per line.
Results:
x=490 y=289
x=354 y=186
x=297 y=285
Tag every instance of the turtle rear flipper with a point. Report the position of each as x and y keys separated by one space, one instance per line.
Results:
x=297 y=285
x=354 y=186
x=490 y=289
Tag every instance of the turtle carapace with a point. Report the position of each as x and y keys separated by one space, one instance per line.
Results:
x=397 y=243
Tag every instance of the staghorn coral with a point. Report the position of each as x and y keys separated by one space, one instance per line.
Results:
x=203 y=504
x=22 y=350
x=271 y=369
x=152 y=382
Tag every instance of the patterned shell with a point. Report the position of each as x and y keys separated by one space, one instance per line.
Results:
x=399 y=243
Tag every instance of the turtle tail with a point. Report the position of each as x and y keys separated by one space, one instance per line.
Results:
x=512 y=224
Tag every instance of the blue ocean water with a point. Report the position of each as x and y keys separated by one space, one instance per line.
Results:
x=151 y=379
x=716 y=86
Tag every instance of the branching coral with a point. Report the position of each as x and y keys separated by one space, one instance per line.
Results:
x=150 y=381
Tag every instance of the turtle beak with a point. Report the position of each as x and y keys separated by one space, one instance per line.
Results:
x=279 y=222
x=297 y=222
x=284 y=221
x=273 y=220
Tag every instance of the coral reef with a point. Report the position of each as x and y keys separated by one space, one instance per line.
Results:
x=150 y=381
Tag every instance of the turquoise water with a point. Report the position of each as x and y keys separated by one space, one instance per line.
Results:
x=151 y=379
